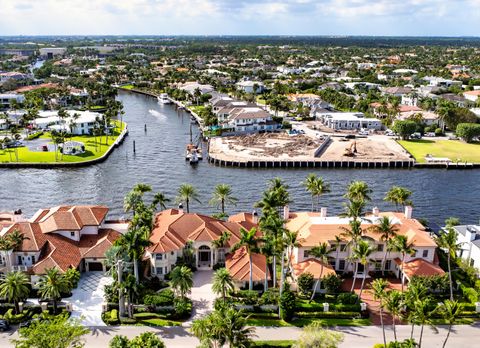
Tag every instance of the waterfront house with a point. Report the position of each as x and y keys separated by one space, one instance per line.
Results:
x=429 y=118
x=469 y=237
x=348 y=120
x=62 y=237
x=12 y=75
x=472 y=96
x=6 y=99
x=316 y=228
x=77 y=122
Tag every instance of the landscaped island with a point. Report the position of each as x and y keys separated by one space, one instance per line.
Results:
x=94 y=148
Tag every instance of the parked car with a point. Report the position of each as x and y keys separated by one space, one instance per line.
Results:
x=350 y=136
x=430 y=134
x=363 y=132
x=416 y=136
x=4 y=325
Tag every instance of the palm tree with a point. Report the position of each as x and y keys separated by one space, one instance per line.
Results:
x=394 y=304
x=14 y=288
x=289 y=242
x=451 y=311
x=221 y=195
x=422 y=314
x=399 y=196
x=267 y=249
x=387 y=231
x=316 y=186
x=249 y=241
x=52 y=285
x=358 y=191
x=320 y=252
x=448 y=241
x=222 y=241
x=135 y=242
x=222 y=282
x=186 y=193
x=235 y=330
x=361 y=254
x=379 y=286
x=414 y=293
x=181 y=279
x=159 y=199
x=400 y=244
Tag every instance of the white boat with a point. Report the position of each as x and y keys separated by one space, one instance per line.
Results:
x=163 y=99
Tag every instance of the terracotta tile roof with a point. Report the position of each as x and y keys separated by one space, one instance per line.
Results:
x=173 y=229
x=314 y=267
x=70 y=218
x=239 y=266
x=313 y=229
x=419 y=267
x=34 y=87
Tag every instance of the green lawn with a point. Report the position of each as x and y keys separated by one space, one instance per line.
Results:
x=196 y=108
x=452 y=149
x=261 y=101
x=154 y=319
x=129 y=87
x=92 y=150
x=300 y=322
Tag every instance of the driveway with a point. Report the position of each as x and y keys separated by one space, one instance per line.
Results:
x=87 y=298
x=202 y=295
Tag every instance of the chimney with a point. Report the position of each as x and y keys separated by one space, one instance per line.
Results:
x=255 y=217
x=323 y=212
x=470 y=233
x=408 y=211
x=286 y=212
x=180 y=208
x=375 y=211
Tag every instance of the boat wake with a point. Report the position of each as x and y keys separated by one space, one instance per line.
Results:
x=157 y=114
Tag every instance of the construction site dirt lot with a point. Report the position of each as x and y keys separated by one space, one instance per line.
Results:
x=283 y=147
x=376 y=148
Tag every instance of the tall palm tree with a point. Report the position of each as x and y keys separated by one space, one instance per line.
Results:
x=249 y=241
x=399 y=196
x=422 y=314
x=320 y=252
x=187 y=193
x=361 y=254
x=222 y=195
x=387 y=231
x=316 y=186
x=159 y=199
x=181 y=279
x=451 y=312
x=14 y=288
x=267 y=249
x=400 y=244
x=52 y=285
x=448 y=241
x=222 y=241
x=379 y=287
x=394 y=304
x=414 y=293
x=222 y=282
x=135 y=242
x=358 y=191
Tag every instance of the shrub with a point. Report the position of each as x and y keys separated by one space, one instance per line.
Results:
x=163 y=298
x=269 y=297
x=404 y=128
x=182 y=308
x=347 y=298
x=247 y=297
x=305 y=283
x=119 y=341
x=16 y=318
x=332 y=283
x=438 y=132
x=111 y=293
x=468 y=131
x=469 y=293
x=35 y=135
x=114 y=314
x=287 y=303
x=72 y=275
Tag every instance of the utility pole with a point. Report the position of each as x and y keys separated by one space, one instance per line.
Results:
x=121 y=299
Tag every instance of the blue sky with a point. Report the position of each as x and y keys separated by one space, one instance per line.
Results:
x=241 y=17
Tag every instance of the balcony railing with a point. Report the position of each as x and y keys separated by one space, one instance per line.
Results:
x=21 y=268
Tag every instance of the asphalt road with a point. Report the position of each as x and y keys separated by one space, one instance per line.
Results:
x=358 y=337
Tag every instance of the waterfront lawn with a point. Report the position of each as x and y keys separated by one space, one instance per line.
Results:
x=93 y=149
x=452 y=149
x=127 y=87
x=197 y=109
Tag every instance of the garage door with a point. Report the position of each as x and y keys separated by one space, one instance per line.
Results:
x=95 y=266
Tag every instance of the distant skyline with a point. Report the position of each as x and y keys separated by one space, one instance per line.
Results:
x=241 y=17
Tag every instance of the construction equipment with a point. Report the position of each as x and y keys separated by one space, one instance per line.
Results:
x=351 y=150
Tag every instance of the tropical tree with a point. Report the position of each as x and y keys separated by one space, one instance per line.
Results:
x=317 y=187
x=222 y=283
x=181 y=279
x=135 y=242
x=451 y=312
x=250 y=242
x=222 y=241
x=387 y=231
x=401 y=245
x=221 y=196
x=393 y=303
x=267 y=249
x=399 y=196
x=422 y=313
x=320 y=252
x=358 y=191
x=187 y=193
x=415 y=292
x=361 y=254
x=379 y=287
x=14 y=288
x=315 y=336
x=448 y=241
x=159 y=199
x=52 y=285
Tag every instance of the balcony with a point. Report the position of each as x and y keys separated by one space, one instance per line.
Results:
x=21 y=268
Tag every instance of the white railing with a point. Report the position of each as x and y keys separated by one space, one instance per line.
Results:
x=20 y=268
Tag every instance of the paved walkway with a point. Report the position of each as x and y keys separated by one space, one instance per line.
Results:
x=202 y=295
x=87 y=298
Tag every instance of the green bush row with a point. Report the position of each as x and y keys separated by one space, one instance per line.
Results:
x=336 y=315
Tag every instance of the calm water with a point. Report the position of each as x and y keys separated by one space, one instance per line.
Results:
x=159 y=161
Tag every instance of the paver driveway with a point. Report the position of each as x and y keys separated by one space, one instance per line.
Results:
x=87 y=298
x=202 y=295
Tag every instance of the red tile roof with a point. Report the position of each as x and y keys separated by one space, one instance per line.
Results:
x=314 y=267
x=238 y=264
x=419 y=267
x=70 y=218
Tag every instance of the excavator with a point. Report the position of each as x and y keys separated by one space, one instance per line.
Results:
x=351 y=150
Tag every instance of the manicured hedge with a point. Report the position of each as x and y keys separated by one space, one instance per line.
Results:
x=336 y=315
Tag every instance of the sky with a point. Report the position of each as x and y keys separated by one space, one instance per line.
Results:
x=241 y=17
